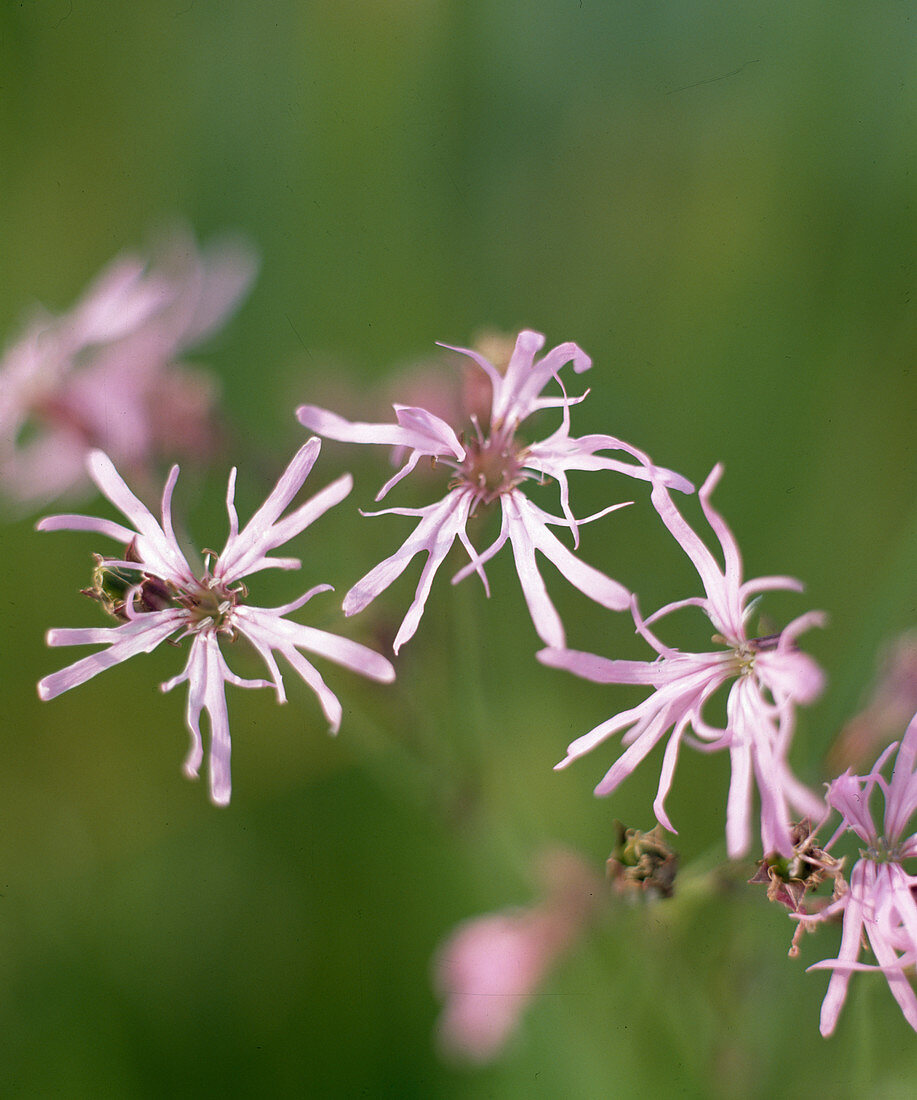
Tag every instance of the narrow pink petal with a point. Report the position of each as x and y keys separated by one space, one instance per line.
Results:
x=263 y=640
x=738 y=802
x=303 y=599
x=524 y=379
x=434 y=534
x=218 y=717
x=790 y=675
x=438 y=551
x=675 y=605
x=406 y=469
x=602 y=670
x=105 y=527
x=731 y=555
x=246 y=551
x=231 y=512
x=489 y=369
x=848 y=795
x=359 y=658
x=592 y=583
x=769 y=584
x=895 y=975
x=332 y=426
x=159 y=554
x=642 y=628
x=667 y=774
x=206 y=692
x=649 y=734
x=249 y=542
x=637 y=716
x=849 y=950
x=580 y=453
x=195 y=674
x=328 y=701
x=206 y=674
x=544 y=615
x=434 y=435
x=141 y=635
x=519 y=368
x=723 y=601
x=167 y=491
x=288 y=485
x=901 y=797
x=902 y=900
x=306 y=514
x=477 y=561
x=342 y=651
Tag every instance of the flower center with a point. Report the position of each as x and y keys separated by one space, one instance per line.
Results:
x=205 y=604
x=492 y=467
x=744 y=653
x=880 y=851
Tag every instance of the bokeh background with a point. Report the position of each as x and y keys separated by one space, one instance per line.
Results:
x=717 y=202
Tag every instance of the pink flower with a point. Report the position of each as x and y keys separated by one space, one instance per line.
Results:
x=880 y=904
x=102 y=374
x=492 y=966
x=769 y=677
x=491 y=467
x=159 y=596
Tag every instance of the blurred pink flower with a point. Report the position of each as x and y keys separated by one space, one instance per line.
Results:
x=164 y=598
x=770 y=677
x=492 y=966
x=891 y=703
x=491 y=467
x=106 y=373
x=880 y=904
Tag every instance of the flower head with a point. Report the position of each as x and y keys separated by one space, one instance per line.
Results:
x=769 y=676
x=491 y=466
x=156 y=593
x=102 y=374
x=880 y=905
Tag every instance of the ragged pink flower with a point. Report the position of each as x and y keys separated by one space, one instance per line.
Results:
x=769 y=677
x=159 y=596
x=490 y=467
x=492 y=966
x=880 y=904
x=107 y=373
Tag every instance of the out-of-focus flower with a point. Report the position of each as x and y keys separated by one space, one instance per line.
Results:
x=880 y=905
x=490 y=467
x=158 y=595
x=107 y=374
x=491 y=966
x=770 y=677
x=890 y=706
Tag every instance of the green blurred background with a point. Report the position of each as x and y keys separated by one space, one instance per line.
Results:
x=717 y=202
